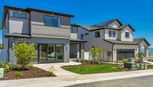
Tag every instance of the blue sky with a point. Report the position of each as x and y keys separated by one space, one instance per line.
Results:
x=138 y=13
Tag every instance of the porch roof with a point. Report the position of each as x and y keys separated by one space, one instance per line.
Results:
x=76 y=40
x=122 y=42
x=136 y=41
x=17 y=35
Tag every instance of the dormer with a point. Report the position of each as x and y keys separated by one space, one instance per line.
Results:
x=114 y=24
x=126 y=33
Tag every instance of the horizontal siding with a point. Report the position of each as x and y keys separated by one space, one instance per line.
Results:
x=49 y=31
x=38 y=27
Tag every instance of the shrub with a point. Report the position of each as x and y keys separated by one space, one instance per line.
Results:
x=95 y=52
x=50 y=71
x=8 y=66
x=1 y=64
x=19 y=74
x=24 y=52
x=30 y=66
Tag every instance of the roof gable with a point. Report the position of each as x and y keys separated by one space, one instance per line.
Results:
x=125 y=26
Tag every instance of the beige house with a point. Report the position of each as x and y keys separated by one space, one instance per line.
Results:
x=115 y=38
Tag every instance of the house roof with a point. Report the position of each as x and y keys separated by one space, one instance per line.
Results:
x=104 y=25
x=136 y=41
x=5 y=10
x=139 y=40
x=122 y=42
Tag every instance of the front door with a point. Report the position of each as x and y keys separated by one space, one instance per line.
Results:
x=59 y=52
x=42 y=53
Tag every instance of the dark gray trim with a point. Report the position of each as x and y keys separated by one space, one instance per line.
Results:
x=38 y=10
x=30 y=31
x=8 y=50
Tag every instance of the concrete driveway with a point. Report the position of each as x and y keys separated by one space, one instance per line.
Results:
x=146 y=81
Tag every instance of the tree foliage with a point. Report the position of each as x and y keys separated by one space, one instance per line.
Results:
x=140 y=56
x=24 y=52
x=95 y=52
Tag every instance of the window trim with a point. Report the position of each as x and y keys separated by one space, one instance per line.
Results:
x=59 y=21
x=126 y=34
x=112 y=33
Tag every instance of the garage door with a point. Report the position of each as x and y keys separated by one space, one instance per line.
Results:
x=125 y=53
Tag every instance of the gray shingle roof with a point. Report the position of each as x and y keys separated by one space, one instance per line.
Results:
x=104 y=25
x=122 y=42
x=135 y=41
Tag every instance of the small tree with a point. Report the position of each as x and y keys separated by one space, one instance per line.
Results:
x=140 y=56
x=95 y=52
x=24 y=52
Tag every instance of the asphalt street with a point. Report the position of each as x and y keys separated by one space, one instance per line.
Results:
x=130 y=82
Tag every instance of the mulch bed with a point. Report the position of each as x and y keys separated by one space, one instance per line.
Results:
x=32 y=73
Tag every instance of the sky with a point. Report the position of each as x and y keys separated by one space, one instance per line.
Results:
x=137 y=13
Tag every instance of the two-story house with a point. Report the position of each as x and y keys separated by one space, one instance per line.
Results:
x=115 y=38
x=56 y=40
x=48 y=31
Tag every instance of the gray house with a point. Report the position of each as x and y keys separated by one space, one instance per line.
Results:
x=56 y=40
x=116 y=40
x=49 y=31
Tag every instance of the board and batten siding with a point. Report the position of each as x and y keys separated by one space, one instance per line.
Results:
x=17 y=25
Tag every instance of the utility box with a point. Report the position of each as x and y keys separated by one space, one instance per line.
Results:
x=1 y=73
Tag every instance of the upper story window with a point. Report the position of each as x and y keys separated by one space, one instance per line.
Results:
x=81 y=36
x=16 y=15
x=51 y=21
x=127 y=34
x=19 y=15
x=74 y=30
x=23 y=15
x=112 y=34
x=97 y=34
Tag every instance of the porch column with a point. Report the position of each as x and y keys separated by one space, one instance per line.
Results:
x=66 y=53
x=146 y=52
x=82 y=50
x=139 y=49
x=78 y=53
x=114 y=55
x=136 y=51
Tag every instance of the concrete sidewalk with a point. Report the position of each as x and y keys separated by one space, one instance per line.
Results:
x=71 y=80
x=59 y=72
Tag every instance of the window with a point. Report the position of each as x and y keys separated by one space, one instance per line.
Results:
x=74 y=30
x=86 y=33
x=112 y=34
x=82 y=37
x=127 y=34
x=23 y=15
x=108 y=53
x=97 y=34
x=52 y=21
x=19 y=15
x=16 y=15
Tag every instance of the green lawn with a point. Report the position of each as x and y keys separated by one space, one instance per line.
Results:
x=150 y=66
x=93 y=68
